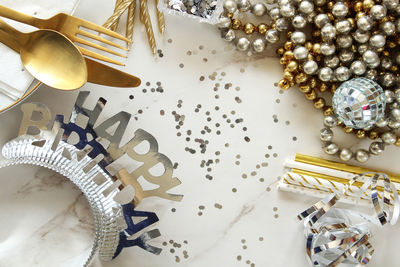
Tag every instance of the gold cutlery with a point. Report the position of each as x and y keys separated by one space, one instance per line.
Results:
x=96 y=72
x=104 y=75
x=50 y=57
x=72 y=27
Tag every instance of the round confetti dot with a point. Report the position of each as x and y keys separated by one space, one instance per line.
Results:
x=218 y=206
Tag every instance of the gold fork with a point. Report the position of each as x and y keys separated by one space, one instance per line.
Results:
x=72 y=27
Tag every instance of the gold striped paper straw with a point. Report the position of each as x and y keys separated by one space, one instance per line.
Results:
x=341 y=166
x=310 y=181
x=320 y=174
x=331 y=179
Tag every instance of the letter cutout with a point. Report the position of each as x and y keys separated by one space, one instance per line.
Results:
x=132 y=228
x=165 y=181
x=28 y=109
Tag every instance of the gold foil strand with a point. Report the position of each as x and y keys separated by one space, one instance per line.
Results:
x=117 y=13
x=160 y=19
x=130 y=21
x=145 y=19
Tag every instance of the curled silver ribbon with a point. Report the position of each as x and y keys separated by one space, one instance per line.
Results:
x=332 y=238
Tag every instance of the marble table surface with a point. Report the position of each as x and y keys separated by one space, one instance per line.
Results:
x=218 y=116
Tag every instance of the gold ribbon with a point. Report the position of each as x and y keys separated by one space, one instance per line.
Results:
x=121 y=6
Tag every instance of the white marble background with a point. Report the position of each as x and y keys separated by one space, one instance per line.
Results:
x=238 y=218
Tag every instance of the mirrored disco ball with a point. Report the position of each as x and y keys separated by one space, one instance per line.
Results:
x=359 y=103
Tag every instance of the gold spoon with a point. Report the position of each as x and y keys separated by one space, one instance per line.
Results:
x=50 y=57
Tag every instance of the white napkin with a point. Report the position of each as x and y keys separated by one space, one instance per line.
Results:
x=14 y=79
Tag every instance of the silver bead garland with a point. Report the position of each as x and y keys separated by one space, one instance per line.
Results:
x=352 y=44
x=345 y=154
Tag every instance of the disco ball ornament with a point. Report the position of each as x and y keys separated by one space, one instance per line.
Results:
x=359 y=103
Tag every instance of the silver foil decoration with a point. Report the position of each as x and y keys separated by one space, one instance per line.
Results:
x=331 y=236
x=89 y=157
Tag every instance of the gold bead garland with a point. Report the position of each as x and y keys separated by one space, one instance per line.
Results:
x=314 y=88
x=292 y=68
x=248 y=28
